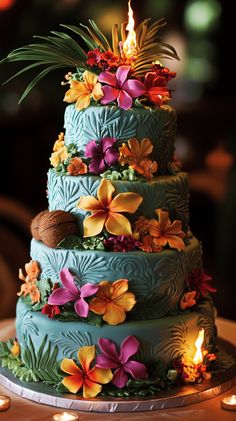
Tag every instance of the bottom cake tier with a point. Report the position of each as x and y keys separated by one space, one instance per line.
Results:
x=162 y=339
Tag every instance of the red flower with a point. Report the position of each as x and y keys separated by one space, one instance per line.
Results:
x=198 y=281
x=156 y=94
x=93 y=57
x=108 y=60
x=163 y=74
x=51 y=310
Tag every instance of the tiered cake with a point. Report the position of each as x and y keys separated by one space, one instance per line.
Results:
x=115 y=298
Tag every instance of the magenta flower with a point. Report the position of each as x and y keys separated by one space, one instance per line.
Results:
x=103 y=154
x=199 y=281
x=122 y=243
x=121 y=362
x=119 y=87
x=70 y=292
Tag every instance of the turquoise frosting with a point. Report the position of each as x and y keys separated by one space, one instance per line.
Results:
x=171 y=192
x=157 y=279
x=95 y=123
x=165 y=339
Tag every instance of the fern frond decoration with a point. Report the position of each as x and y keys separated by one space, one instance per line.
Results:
x=60 y=50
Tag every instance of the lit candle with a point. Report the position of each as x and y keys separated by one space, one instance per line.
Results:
x=65 y=416
x=5 y=402
x=229 y=402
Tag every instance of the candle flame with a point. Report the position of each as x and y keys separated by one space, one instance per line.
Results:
x=130 y=44
x=197 y=359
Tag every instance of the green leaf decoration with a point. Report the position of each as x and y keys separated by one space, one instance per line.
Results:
x=93 y=243
x=43 y=364
x=60 y=50
x=70 y=243
x=70 y=315
x=4 y=350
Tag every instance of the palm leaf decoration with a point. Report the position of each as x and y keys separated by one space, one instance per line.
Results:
x=150 y=47
x=60 y=50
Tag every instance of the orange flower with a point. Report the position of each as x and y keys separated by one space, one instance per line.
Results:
x=82 y=92
x=106 y=211
x=135 y=155
x=148 y=245
x=29 y=287
x=165 y=232
x=188 y=300
x=77 y=166
x=112 y=301
x=90 y=379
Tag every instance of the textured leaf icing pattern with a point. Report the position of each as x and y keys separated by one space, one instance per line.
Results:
x=162 y=132
x=171 y=192
x=24 y=321
x=94 y=123
x=69 y=342
x=156 y=279
x=177 y=196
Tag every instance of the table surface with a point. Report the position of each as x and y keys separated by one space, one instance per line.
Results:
x=25 y=410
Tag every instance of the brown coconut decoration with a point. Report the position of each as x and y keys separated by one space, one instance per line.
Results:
x=35 y=224
x=54 y=226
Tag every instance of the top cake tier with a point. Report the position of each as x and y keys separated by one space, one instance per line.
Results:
x=96 y=123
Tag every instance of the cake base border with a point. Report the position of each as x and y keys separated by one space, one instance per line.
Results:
x=176 y=397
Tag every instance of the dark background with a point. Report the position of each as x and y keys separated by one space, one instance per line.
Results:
x=204 y=97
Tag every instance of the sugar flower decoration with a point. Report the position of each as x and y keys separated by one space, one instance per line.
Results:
x=188 y=300
x=119 y=87
x=121 y=243
x=106 y=211
x=29 y=287
x=88 y=379
x=77 y=166
x=166 y=232
x=60 y=153
x=15 y=349
x=102 y=153
x=83 y=92
x=50 y=310
x=135 y=154
x=70 y=292
x=112 y=301
x=156 y=94
x=121 y=362
x=200 y=282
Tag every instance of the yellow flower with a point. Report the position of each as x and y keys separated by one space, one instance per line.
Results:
x=86 y=378
x=83 y=92
x=106 y=211
x=60 y=153
x=59 y=142
x=112 y=301
x=15 y=350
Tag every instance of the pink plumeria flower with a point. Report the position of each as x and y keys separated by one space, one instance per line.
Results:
x=119 y=87
x=121 y=362
x=70 y=292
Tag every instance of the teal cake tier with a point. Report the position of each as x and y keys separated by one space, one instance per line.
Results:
x=157 y=279
x=164 y=339
x=170 y=192
x=95 y=123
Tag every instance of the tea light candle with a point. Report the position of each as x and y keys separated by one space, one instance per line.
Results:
x=65 y=416
x=229 y=402
x=5 y=402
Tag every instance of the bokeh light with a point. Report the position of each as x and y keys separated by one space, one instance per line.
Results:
x=202 y=15
x=6 y=4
